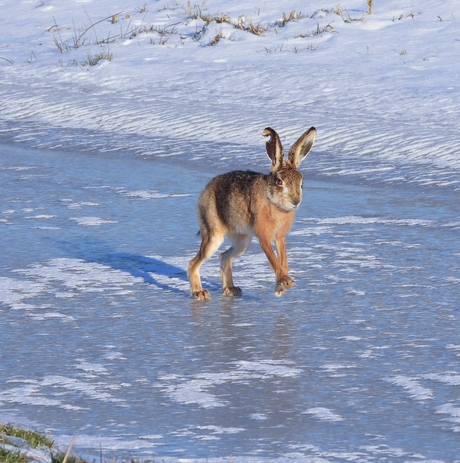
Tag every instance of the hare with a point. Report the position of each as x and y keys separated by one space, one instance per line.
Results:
x=241 y=204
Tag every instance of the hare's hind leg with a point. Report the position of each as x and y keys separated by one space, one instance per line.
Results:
x=209 y=245
x=240 y=243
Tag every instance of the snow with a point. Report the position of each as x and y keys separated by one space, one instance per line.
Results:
x=379 y=87
x=101 y=164
x=324 y=414
x=194 y=390
x=412 y=386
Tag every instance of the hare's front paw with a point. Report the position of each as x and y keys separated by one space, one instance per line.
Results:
x=232 y=291
x=202 y=295
x=282 y=284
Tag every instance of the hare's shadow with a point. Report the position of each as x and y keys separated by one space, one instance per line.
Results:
x=151 y=270
x=147 y=268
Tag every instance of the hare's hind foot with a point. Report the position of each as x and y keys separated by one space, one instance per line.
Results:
x=202 y=295
x=282 y=284
x=232 y=291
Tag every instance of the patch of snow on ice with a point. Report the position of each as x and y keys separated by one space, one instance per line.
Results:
x=258 y=416
x=452 y=379
x=77 y=274
x=197 y=389
x=452 y=411
x=152 y=194
x=82 y=204
x=91 y=367
x=194 y=392
x=28 y=394
x=49 y=315
x=324 y=414
x=413 y=387
x=351 y=338
x=145 y=194
x=41 y=216
x=349 y=220
x=269 y=368
x=333 y=367
x=13 y=291
x=91 y=221
x=221 y=429
x=107 y=443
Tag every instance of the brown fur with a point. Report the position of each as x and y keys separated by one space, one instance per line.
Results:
x=241 y=204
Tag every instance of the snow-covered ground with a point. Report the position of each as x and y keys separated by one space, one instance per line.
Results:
x=381 y=87
x=101 y=165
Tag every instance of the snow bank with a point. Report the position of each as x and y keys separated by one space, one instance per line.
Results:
x=105 y=76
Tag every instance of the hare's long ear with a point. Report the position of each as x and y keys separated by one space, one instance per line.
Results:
x=301 y=147
x=274 y=148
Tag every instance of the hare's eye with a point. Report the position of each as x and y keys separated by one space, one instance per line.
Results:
x=278 y=181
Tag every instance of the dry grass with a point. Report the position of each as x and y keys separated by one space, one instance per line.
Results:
x=370 y=4
x=7 y=59
x=92 y=60
x=318 y=31
x=216 y=39
x=90 y=36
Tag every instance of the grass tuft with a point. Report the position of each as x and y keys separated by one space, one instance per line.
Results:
x=338 y=11
x=287 y=18
x=92 y=60
x=33 y=438
x=216 y=39
x=273 y=50
x=248 y=26
x=319 y=31
x=7 y=456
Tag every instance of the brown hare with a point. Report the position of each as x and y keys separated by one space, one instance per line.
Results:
x=241 y=204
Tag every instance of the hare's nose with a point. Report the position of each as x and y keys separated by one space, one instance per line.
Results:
x=296 y=201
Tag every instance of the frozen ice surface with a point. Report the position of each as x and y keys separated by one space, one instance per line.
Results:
x=100 y=339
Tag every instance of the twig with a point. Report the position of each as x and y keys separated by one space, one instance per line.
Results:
x=68 y=450
x=371 y=6
x=59 y=34
x=91 y=22
x=7 y=59
x=97 y=22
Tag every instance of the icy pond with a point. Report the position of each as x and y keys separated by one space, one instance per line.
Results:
x=100 y=339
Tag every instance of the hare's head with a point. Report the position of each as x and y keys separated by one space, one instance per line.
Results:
x=285 y=181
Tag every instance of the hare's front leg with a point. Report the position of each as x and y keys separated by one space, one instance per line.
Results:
x=240 y=244
x=280 y=244
x=286 y=281
x=209 y=245
x=279 y=266
x=282 y=284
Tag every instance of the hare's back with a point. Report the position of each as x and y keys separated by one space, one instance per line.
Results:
x=231 y=194
x=234 y=186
